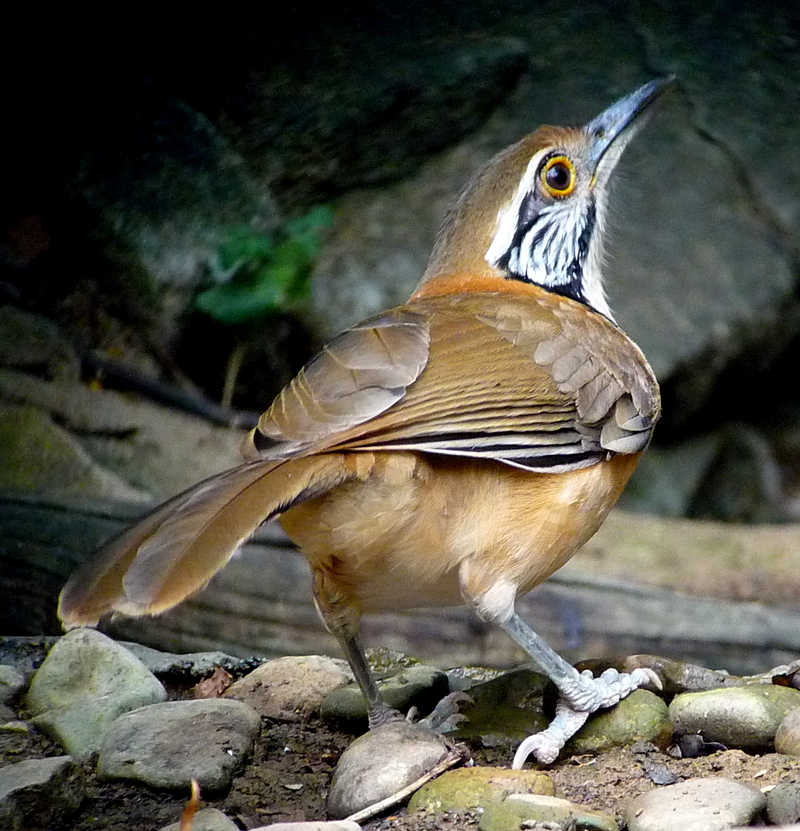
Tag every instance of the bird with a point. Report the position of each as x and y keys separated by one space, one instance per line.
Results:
x=455 y=450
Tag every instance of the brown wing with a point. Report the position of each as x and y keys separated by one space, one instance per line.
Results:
x=525 y=381
x=532 y=383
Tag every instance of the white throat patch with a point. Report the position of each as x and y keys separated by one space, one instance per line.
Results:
x=559 y=247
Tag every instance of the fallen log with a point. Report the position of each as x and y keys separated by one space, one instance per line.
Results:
x=720 y=595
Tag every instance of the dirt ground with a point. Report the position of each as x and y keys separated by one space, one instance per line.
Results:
x=289 y=774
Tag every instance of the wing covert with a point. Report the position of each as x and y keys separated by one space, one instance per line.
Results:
x=517 y=379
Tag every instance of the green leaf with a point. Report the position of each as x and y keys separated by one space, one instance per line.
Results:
x=270 y=274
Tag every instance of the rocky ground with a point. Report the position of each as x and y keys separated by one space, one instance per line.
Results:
x=725 y=752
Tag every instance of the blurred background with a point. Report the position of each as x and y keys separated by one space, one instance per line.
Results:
x=191 y=207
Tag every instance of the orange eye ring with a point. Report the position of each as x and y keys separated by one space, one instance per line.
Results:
x=558 y=177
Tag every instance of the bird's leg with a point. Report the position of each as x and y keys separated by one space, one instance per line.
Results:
x=379 y=711
x=579 y=692
x=341 y=620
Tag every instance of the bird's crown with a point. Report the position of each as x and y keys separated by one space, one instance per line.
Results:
x=536 y=211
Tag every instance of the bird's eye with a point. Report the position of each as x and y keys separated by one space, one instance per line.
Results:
x=558 y=176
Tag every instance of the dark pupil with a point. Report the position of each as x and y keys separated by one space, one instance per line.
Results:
x=558 y=177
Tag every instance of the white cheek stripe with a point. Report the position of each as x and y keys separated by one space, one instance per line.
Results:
x=508 y=216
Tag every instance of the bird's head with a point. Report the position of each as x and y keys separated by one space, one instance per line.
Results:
x=536 y=211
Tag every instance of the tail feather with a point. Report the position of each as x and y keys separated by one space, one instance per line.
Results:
x=175 y=550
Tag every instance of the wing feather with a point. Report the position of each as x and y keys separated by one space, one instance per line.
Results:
x=519 y=379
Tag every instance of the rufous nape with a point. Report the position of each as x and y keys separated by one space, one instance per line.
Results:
x=455 y=450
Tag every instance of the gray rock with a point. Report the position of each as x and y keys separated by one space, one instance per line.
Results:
x=26 y=653
x=333 y=825
x=195 y=664
x=380 y=763
x=170 y=185
x=682 y=676
x=504 y=709
x=164 y=451
x=209 y=819
x=417 y=98
x=787 y=739
x=79 y=728
x=35 y=343
x=739 y=717
x=709 y=804
x=511 y=813
x=291 y=688
x=466 y=789
x=167 y=745
x=783 y=803
x=84 y=684
x=642 y=716
x=12 y=682
x=36 y=792
x=16 y=726
x=36 y=454
x=6 y=714
x=419 y=686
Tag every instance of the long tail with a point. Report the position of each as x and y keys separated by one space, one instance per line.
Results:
x=175 y=550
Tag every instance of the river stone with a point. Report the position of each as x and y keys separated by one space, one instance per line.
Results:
x=746 y=718
x=191 y=664
x=468 y=788
x=787 y=739
x=419 y=686
x=642 y=716
x=504 y=709
x=509 y=814
x=35 y=792
x=84 y=684
x=380 y=763
x=783 y=803
x=209 y=819
x=12 y=682
x=167 y=745
x=709 y=804
x=291 y=688
x=87 y=664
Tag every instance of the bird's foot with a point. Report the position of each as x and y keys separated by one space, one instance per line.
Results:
x=445 y=716
x=384 y=714
x=579 y=697
x=585 y=693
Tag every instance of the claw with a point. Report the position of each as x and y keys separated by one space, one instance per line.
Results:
x=580 y=696
x=545 y=746
x=445 y=716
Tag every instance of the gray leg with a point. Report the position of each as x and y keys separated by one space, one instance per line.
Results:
x=378 y=710
x=341 y=620
x=580 y=693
